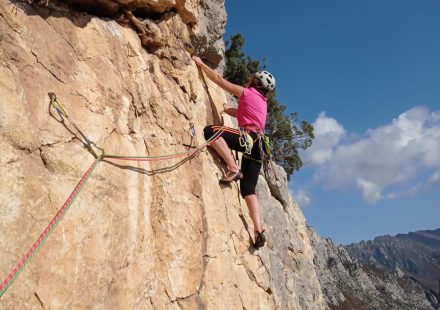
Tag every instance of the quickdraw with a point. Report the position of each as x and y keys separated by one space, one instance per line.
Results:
x=89 y=144
x=192 y=133
x=246 y=140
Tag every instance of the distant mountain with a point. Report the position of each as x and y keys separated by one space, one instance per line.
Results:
x=347 y=284
x=417 y=254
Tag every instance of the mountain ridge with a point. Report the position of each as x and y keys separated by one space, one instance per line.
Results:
x=416 y=253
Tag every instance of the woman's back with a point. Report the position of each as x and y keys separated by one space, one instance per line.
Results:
x=252 y=109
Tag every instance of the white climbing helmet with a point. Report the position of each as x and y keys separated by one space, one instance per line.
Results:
x=266 y=79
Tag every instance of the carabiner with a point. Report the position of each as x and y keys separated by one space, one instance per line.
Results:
x=192 y=130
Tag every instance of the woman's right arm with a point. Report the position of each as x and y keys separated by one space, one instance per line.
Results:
x=213 y=75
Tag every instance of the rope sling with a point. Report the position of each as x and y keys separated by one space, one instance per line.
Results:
x=93 y=149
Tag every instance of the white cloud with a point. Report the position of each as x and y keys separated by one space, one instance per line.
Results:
x=418 y=188
x=411 y=192
x=301 y=197
x=370 y=191
x=328 y=133
x=389 y=156
x=435 y=177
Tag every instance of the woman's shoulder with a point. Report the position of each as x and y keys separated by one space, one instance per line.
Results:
x=251 y=91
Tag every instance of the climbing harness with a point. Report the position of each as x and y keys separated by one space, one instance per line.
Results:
x=91 y=147
x=265 y=146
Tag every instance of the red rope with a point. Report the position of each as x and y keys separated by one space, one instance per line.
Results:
x=43 y=236
x=160 y=158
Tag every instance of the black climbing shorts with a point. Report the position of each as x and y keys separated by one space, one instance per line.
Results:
x=250 y=168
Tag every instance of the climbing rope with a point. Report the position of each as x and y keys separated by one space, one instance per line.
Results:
x=170 y=156
x=13 y=274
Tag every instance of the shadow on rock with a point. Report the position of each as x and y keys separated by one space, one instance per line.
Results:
x=50 y=8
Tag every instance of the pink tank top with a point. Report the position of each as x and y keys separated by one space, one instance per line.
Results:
x=252 y=109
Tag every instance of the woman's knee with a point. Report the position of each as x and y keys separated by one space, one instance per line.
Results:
x=208 y=132
x=251 y=171
x=246 y=189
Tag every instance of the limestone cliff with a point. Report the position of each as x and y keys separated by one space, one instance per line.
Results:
x=140 y=235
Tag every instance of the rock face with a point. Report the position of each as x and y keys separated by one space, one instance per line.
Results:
x=151 y=235
x=417 y=254
x=348 y=284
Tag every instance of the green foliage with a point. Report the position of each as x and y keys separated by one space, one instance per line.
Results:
x=285 y=131
x=287 y=135
x=239 y=67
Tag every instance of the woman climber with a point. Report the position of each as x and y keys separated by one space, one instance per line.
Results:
x=251 y=116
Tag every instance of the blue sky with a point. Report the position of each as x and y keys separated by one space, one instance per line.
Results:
x=367 y=75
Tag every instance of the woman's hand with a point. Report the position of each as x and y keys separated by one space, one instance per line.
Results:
x=226 y=107
x=197 y=60
x=231 y=111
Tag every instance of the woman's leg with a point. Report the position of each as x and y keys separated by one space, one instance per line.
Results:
x=251 y=170
x=225 y=152
x=229 y=140
x=254 y=211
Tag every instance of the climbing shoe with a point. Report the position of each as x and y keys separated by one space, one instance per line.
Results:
x=260 y=239
x=232 y=176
